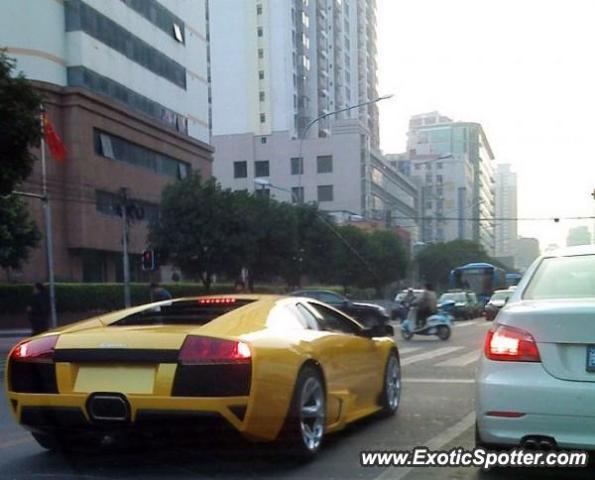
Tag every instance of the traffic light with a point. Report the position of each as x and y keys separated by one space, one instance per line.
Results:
x=148 y=260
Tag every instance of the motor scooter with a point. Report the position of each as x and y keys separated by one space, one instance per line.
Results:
x=439 y=324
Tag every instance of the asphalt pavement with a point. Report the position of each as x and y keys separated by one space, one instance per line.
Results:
x=436 y=410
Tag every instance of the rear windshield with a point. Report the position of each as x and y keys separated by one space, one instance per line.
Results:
x=181 y=313
x=563 y=277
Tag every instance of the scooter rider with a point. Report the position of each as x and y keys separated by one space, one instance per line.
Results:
x=427 y=305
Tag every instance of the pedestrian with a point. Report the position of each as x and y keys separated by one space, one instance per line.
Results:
x=158 y=293
x=39 y=309
x=239 y=286
x=428 y=305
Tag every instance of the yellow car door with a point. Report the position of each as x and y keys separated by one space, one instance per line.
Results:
x=356 y=360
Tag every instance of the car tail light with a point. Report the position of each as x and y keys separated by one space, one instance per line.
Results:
x=205 y=350
x=511 y=344
x=38 y=350
x=216 y=301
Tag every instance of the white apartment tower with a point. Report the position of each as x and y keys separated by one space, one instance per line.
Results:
x=278 y=64
x=454 y=165
x=506 y=208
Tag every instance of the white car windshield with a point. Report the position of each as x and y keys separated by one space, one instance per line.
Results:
x=563 y=277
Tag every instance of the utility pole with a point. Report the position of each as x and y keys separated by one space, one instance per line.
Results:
x=47 y=215
x=125 y=261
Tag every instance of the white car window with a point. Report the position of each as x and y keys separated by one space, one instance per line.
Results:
x=563 y=277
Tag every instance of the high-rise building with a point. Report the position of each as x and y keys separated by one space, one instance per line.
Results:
x=506 y=211
x=125 y=85
x=277 y=67
x=578 y=236
x=454 y=165
x=527 y=250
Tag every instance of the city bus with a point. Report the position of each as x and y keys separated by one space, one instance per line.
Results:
x=480 y=278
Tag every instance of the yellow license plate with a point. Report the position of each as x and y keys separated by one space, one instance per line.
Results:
x=113 y=378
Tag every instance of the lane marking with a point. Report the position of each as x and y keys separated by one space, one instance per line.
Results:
x=438 y=380
x=405 y=351
x=436 y=443
x=466 y=324
x=461 y=360
x=431 y=354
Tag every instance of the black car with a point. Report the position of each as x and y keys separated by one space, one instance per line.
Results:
x=367 y=314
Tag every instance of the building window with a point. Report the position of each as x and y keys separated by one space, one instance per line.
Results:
x=428 y=166
x=297 y=194
x=325 y=193
x=263 y=139
x=240 y=169
x=260 y=53
x=429 y=205
x=297 y=166
x=259 y=30
x=261 y=168
x=122 y=150
x=258 y=9
x=438 y=178
x=261 y=74
x=429 y=178
x=108 y=203
x=263 y=192
x=178 y=33
x=439 y=165
x=324 y=164
x=440 y=191
x=263 y=118
x=417 y=166
x=261 y=96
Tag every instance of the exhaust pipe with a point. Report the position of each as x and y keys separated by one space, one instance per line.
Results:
x=538 y=442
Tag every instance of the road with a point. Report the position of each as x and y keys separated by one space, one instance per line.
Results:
x=436 y=410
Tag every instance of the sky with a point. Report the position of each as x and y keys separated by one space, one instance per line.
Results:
x=524 y=69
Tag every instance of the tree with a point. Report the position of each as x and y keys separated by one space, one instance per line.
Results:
x=387 y=257
x=18 y=233
x=198 y=230
x=436 y=261
x=20 y=127
x=19 y=131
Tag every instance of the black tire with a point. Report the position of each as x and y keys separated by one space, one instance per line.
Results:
x=293 y=439
x=443 y=332
x=389 y=408
x=406 y=334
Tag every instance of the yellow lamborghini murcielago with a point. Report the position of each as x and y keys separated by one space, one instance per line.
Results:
x=285 y=369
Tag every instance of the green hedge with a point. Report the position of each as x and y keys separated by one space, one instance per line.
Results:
x=83 y=297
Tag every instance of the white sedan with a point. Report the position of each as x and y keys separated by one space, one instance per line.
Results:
x=536 y=378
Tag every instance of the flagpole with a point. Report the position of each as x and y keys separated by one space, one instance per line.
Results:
x=47 y=214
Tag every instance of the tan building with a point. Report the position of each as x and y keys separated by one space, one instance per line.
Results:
x=108 y=148
x=126 y=87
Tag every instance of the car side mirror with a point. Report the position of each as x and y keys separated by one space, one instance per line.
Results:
x=378 y=331
x=506 y=300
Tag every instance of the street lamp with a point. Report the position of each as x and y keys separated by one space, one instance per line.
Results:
x=322 y=117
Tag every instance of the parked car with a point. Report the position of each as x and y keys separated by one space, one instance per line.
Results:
x=466 y=304
x=367 y=314
x=497 y=301
x=535 y=383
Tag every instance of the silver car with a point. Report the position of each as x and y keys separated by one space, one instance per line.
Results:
x=536 y=379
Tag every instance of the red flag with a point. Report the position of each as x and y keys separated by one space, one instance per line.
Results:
x=55 y=143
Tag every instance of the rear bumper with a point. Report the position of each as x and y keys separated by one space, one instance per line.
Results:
x=71 y=413
x=549 y=406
